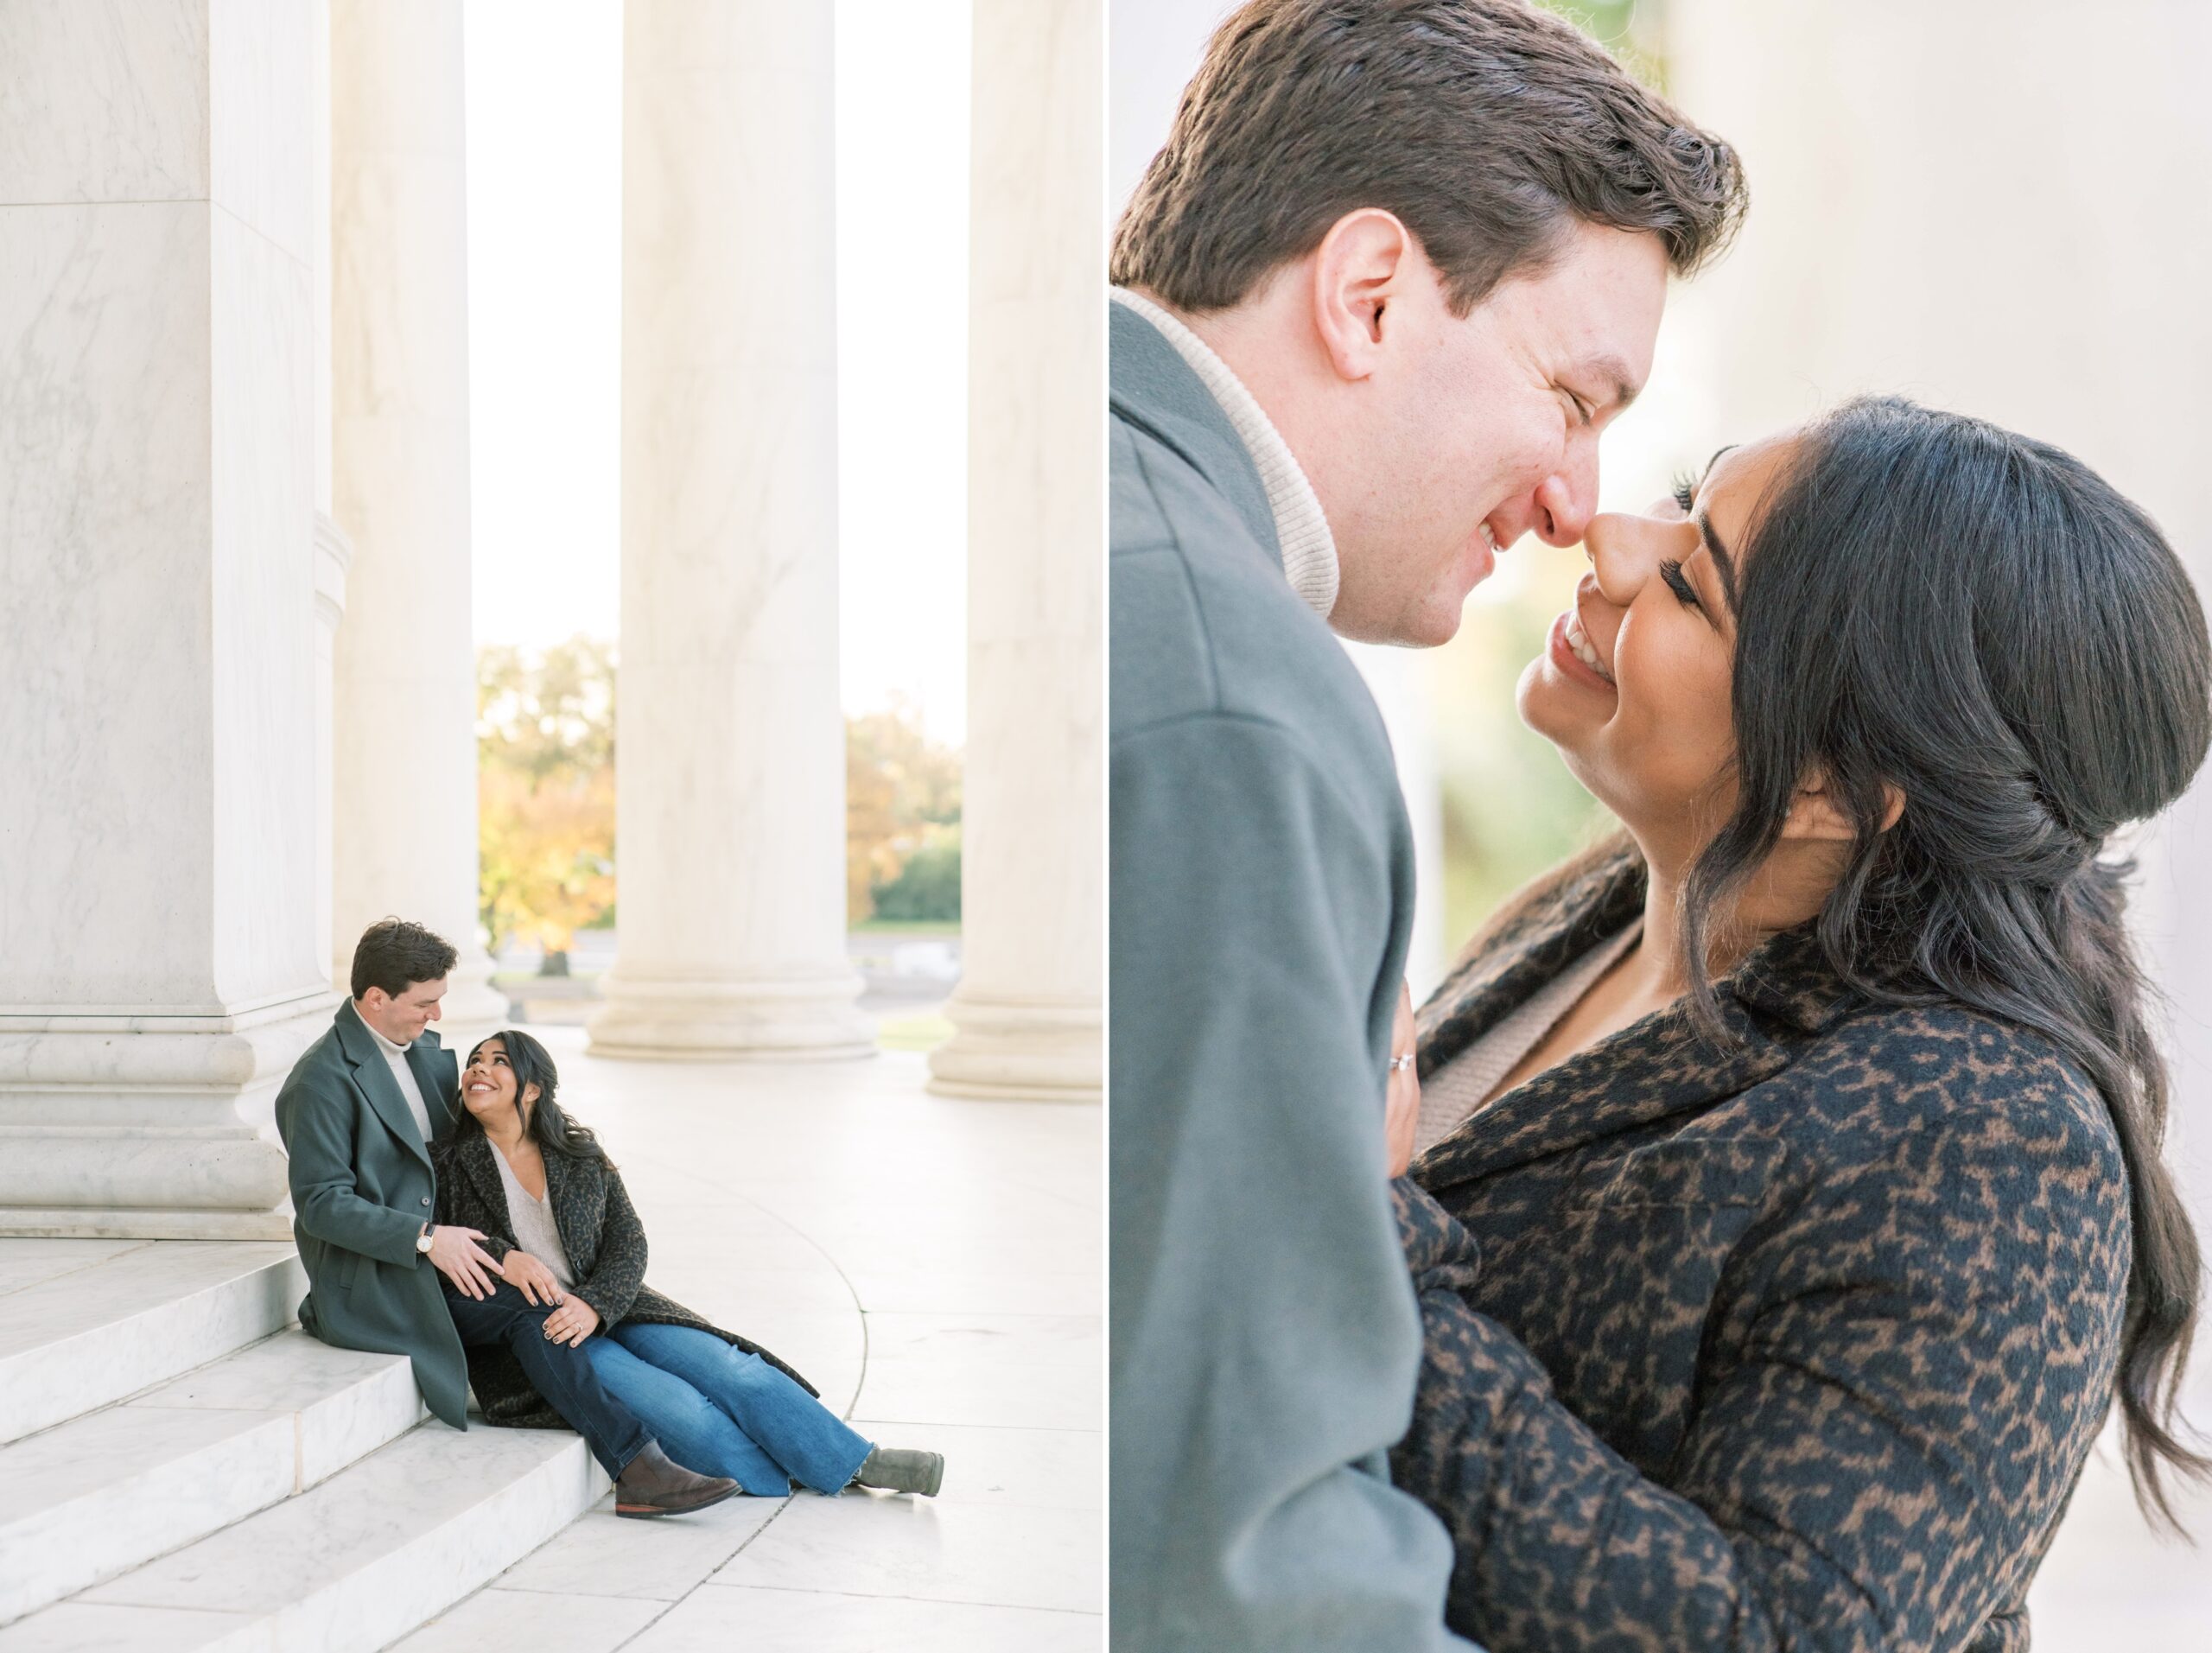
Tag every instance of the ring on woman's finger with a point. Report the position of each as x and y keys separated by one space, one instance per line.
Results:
x=1400 y=1063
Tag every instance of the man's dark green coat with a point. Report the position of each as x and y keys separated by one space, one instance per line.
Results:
x=362 y=1189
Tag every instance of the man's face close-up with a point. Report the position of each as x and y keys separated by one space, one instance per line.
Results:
x=1486 y=428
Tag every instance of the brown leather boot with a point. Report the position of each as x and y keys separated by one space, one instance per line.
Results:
x=653 y=1485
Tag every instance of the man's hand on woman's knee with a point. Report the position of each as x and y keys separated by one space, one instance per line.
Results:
x=456 y=1254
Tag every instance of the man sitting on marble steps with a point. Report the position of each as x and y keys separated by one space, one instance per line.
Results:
x=358 y=1114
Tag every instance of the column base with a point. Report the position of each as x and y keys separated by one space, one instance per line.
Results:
x=1011 y=1049
x=810 y=1018
x=149 y=1127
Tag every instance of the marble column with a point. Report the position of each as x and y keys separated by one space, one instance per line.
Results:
x=159 y=967
x=1026 y=1014
x=404 y=784
x=730 y=774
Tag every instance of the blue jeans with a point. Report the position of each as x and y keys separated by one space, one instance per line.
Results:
x=718 y=1410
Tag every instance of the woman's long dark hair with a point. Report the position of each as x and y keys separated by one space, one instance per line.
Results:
x=543 y=1121
x=1932 y=603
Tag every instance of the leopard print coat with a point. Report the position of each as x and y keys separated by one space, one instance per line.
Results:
x=1798 y=1345
x=605 y=1244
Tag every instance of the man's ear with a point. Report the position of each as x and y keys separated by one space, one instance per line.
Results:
x=1815 y=815
x=1360 y=268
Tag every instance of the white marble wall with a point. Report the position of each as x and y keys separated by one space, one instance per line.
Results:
x=159 y=965
x=405 y=693
x=730 y=802
x=1025 y=1015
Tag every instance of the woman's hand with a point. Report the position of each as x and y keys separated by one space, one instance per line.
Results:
x=1401 y=1100
x=572 y=1322
x=532 y=1278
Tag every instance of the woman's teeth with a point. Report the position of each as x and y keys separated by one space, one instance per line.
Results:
x=1577 y=640
x=1489 y=537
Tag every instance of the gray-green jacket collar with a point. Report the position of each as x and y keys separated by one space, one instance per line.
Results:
x=1167 y=381
x=373 y=1074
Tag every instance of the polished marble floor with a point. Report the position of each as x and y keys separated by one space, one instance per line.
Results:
x=936 y=1268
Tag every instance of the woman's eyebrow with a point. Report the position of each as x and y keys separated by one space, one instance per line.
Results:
x=1721 y=559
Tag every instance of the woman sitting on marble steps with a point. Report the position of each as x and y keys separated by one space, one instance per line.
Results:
x=535 y=1182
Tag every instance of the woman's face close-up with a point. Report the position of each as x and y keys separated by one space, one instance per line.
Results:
x=487 y=1089
x=1634 y=684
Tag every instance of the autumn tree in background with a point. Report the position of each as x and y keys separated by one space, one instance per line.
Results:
x=545 y=803
x=545 y=793
x=902 y=820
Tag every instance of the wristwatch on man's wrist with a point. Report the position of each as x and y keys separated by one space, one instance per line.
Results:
x=423 y=1240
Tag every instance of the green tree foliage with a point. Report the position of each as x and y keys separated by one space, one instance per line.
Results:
x=546 y=790
x=902 y=799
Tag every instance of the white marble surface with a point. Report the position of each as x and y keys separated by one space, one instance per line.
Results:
x=405 y=666
x=529 y=1619
x=75 y=1341
x=875 y=1545
x=343 y=1403
x=154 y=462
x=789 y=1621
x=103 y=1493
x=604 y=1555
x=27 y=1261
x=1025 y=1015
x=83 y=1627
x=105 y=103
x=381 y=1547
x=731 y=789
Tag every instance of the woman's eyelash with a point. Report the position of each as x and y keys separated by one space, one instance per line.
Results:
x=1686 y=492
x=1670 y=570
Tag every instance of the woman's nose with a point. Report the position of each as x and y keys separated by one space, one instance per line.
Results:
x=1625 y=551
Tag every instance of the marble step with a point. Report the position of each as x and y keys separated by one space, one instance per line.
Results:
x=347 y=1567
x=99 y=1494
x=73 y=1339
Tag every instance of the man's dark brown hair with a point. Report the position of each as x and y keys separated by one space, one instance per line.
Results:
x=394 y=955
x=1487 y=127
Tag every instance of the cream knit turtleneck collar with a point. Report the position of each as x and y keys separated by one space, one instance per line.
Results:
x=1309 y=550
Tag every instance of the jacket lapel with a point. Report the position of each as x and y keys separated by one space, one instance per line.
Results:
x=1500 y=972
x=373 y=1074
x=1658 y=1066
x=474 y=1157
x=1154 y=389
x=568 y=1191
x=438 y=1079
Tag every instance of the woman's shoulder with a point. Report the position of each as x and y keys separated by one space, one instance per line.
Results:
x=1885 y=1080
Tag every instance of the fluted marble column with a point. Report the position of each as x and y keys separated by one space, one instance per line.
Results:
x=730 y=772
x=159 y=965
x=404 y=786
x=1026 y=1014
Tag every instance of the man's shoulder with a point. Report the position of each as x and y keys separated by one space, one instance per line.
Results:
x=321 y=1068
x=1204 y=622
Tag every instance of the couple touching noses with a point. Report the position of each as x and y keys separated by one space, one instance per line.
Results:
x=1744 y=1246
x=458 y=1215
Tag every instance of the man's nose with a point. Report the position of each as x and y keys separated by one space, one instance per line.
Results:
x=1568 y=498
